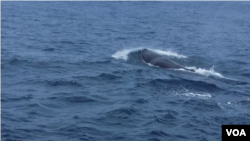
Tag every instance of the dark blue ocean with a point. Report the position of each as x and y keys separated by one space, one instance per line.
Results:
x=72 y=71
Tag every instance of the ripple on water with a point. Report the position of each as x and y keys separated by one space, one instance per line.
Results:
x=183 y=83
x=159 y=133
x=202 y=105
x=108 y=76
x=83 y=132
x=63 y=83
x=124 y=112
x=79 y=99
x=49 y=49
x=141 y=101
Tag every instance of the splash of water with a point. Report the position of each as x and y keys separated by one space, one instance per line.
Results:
x=123 y=54
x=170 y=53
x=205 y=72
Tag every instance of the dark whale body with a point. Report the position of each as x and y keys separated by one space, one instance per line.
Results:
x=158 y=60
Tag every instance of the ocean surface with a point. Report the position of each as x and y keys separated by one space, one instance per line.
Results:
x=72 y=71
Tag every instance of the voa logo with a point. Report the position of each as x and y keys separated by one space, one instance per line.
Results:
x=236 y=132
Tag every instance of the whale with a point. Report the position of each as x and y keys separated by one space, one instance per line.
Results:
x=158 y=60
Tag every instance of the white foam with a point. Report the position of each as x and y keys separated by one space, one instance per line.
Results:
x=190 y=94
x=205 y=72
x=123 y=54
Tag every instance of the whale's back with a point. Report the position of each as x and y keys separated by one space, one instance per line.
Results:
x=148 y=55
x=164 y=63
x=155 y=59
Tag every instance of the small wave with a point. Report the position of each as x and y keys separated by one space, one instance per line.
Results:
x=108 y=76
x=63 y=83
x=6 y=98
x=17 y=60
x=169 y=119
x=242 y=102
x=123 y=54
x=159 y=133
x=129 y=71
x=102 y=76
x=123 y=112
x=202 y=105
x=185 y=84
x=141 y=101
x=87 y=133
x=79 y=99
x=49 y=49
